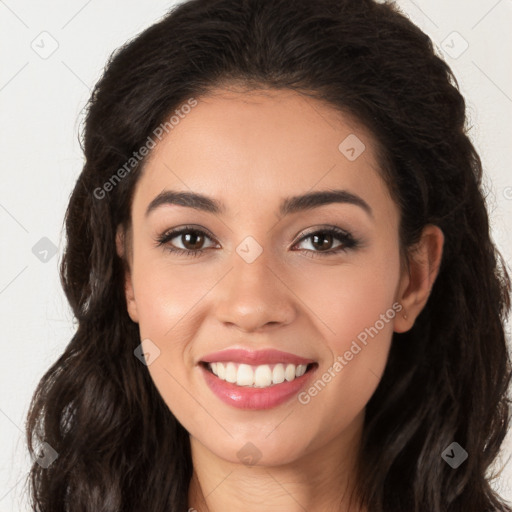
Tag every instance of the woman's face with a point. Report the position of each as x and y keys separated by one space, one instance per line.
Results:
x=270 y=278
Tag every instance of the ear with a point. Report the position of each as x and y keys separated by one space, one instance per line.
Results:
x=416 y=283
x=121 y=249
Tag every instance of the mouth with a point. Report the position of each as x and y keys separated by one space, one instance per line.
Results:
x=257 y=376
x=256 y=386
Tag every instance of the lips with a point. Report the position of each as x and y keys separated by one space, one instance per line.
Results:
x=269 y=356
x=256 y=379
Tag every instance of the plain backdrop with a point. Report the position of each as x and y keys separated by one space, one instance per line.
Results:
x=52 y=53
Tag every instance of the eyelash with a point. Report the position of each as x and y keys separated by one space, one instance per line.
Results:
x=348 y=241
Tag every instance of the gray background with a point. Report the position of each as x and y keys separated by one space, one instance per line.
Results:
x=51 y=55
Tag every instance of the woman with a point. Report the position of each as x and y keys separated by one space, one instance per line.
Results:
x=280 y=263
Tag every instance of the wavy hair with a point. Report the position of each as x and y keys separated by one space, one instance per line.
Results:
x=119 y=446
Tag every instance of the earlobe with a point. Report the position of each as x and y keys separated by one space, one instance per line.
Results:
x=416 y=283
x=128 y=284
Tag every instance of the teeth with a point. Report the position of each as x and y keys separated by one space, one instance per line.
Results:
x=300 y=370
x=289 y=373
x=245 y=375
x=278 y=374
x=221 y=371
x=261 y=376
x=231 y=372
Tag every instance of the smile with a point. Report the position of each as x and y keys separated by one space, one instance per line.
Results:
x=256 y=380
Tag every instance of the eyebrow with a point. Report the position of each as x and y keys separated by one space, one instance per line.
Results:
x=288 y=206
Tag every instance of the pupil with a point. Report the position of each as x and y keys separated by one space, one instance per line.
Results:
x=194 y=235
x=325 y=237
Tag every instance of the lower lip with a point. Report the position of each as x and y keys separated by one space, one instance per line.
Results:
x=245 y=397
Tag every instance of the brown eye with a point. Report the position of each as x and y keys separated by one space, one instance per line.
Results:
x=322 y=242
x=191 y=240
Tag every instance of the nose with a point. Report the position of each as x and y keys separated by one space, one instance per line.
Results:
x=254 y=297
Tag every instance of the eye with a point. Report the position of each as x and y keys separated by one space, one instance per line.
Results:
x=191 y=238
x=323 y=239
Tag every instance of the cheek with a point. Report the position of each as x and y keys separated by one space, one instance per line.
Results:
x=168 y=299
x=167 y=295
x=356 y=310
x=351 y=299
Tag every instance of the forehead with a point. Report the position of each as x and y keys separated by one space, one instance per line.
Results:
x=249 y=147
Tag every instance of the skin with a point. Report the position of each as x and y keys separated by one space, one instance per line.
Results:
x=240 y=148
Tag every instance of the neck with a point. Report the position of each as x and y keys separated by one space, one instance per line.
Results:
x=320 y=481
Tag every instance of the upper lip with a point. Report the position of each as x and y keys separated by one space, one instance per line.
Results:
x=255 y=357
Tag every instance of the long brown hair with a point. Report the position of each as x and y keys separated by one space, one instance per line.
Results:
x=119 y=446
